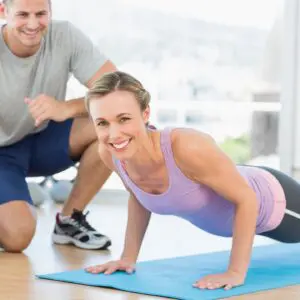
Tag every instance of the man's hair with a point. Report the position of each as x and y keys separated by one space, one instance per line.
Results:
x=9 y=2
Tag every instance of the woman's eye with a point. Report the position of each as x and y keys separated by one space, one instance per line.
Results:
x=124 y=120
x=101 y=123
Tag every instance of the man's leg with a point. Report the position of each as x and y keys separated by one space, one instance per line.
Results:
x=92 y=173
x=17 y=225
x=17 y=216
x=59 y=147
x=91 y=176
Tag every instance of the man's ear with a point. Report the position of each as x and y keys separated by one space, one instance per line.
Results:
x=2 y=9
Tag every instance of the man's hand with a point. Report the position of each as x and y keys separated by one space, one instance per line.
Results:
x=44 y=108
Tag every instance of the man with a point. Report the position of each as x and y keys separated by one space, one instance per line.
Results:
x=40 y=133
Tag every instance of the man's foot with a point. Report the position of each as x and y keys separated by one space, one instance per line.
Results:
x=76 y=230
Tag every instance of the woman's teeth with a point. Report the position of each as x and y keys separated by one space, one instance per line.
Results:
x=121 y=145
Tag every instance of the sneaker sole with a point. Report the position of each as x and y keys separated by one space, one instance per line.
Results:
x=64 y=240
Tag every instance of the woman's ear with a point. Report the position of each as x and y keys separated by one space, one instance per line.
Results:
x=146 y=115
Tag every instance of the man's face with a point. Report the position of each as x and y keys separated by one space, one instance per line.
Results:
x=27 y=21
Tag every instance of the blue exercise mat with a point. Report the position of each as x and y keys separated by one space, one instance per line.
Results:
x=272 y=266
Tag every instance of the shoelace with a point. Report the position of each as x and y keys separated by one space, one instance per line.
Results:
x=80 y=218
x=76 y=224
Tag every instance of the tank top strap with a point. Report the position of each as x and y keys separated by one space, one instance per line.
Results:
x=166 y=147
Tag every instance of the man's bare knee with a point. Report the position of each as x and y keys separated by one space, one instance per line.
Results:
x=17 y=226
x=18 y=238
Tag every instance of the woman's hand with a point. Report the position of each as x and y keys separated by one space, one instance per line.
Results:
x=225 y=280
x=113 y=266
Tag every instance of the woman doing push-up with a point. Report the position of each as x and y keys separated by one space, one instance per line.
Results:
x=182 y=172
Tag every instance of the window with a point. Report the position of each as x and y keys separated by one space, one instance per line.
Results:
x=218 y=59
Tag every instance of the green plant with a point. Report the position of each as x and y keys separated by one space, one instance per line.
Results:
x=238 y=149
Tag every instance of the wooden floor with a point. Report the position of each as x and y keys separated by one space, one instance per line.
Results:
x=166 y=237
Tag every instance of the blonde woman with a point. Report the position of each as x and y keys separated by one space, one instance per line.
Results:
x=183 y=172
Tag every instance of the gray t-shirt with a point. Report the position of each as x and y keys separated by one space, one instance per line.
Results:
x=65 y=51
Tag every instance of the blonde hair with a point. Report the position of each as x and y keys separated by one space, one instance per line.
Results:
x=118 y=81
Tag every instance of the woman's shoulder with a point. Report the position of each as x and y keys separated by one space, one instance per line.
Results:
x=192 y=150
x=189 y=137
x=187 y=144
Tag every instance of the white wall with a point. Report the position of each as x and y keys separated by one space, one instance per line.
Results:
x=289 y=136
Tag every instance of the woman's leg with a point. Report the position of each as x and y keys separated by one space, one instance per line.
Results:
x=289 y=229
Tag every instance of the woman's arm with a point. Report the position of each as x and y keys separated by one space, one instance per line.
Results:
x=198 y=156
x=137 y=220
x=137 y=223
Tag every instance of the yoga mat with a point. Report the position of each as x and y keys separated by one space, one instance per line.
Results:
x=272 y=266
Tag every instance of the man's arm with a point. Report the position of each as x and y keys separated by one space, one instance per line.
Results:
x=87 y=63
x=76 y=107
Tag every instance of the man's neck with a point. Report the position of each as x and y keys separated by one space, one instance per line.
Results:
x=15 y=46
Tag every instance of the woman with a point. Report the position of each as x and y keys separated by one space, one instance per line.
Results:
x=183 y=172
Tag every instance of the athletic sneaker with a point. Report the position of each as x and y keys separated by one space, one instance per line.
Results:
x=76 y=230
